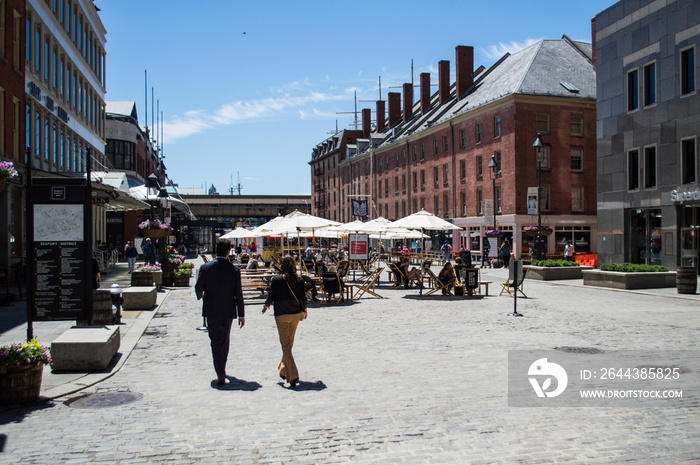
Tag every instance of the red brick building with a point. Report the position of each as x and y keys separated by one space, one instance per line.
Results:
x=434 y=153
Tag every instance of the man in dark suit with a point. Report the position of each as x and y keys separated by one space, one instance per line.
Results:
x=219 y=284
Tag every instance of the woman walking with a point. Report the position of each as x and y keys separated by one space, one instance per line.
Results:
x=131 y=254
x=287 y=293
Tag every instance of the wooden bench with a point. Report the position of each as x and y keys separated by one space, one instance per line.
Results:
x=486 y=286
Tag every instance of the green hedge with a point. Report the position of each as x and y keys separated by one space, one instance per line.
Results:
x=553 y=263
x=632 y=268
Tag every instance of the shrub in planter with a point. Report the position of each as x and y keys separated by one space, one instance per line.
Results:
x=633 y=268
x=553 y=263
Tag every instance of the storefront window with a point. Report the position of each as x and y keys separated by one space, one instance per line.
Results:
x=645 y=244
x=580 y=237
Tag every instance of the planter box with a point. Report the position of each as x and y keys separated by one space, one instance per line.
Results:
x=553 y=273
x=619 y=280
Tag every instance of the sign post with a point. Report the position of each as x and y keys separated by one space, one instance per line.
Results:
x=515 y=277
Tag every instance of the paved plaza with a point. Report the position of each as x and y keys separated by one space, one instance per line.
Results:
x=400 y=380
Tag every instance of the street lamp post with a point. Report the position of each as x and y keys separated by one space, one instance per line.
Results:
x=539 y=145
x=493 y=165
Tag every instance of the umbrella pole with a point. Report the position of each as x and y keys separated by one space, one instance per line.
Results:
x=422 y=251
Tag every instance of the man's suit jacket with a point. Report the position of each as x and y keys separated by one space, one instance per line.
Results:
x=219 y=283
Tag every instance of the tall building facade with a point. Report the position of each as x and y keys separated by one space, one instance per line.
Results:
x=434 y=152
x=648 y=127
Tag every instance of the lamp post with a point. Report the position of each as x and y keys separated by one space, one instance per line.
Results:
x=539 y=145
x=493 y=165
x=153 y=186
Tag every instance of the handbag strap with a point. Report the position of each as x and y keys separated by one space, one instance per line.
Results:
x=293 y=294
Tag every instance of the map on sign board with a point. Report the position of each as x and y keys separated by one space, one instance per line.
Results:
x=58 y=223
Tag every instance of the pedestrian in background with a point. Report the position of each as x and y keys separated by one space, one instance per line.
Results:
x=287 y=294
x=569 y=252
x=131 y=254
x=148 y=251
x=219 y=286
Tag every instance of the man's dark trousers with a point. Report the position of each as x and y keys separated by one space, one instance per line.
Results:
x=220 y=336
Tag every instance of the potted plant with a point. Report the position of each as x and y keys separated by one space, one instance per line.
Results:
x=496 y=263
x=21 y=369
x=533 y=230
x=147 y=275
x=170 y=260
x=493 y=233
x=155 y=228
x=181 y=277
x=7 y=171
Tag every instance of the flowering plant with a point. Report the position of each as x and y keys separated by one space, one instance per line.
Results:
x=535 y=228
x=154 y=224
x=28 y=353
x=188 y=266
x=182 y=272
x=176 y=260
x=146 y=267
x=496 y=262
x=493 y=231
x=7 y=169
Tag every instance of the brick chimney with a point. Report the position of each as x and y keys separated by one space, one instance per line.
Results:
x=381 y=121
x=465 y=68
x=394 y=108
x=366 y=122
x=407 y=101
x=424 y=92
x=444 y=80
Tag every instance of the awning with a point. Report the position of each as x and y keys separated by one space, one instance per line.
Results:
x=110 y=190
x=141 y=192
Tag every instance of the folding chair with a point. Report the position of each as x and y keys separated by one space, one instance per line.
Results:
x=439 y=285
x=517 y=287
x=319 y=268
x=427 y=273
x=331 y=286
x=368 y=284
x=365 y=268
x=204 y=257
x=342 y=269
x=399 y=278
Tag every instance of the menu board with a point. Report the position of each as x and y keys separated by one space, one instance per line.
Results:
x=59 y=285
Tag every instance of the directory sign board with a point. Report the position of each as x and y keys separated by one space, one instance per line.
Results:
x=359 y=246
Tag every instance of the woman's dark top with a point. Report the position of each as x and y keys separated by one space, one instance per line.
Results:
x=132 y=252
x=284 y=300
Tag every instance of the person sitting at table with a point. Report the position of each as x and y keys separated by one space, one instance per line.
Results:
x=253 y=262
x=446 y=276
x=403 y=266
x=458 y=268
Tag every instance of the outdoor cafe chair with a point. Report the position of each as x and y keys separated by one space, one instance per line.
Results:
x=399 y=278
x=439 y=285
x=515 y=286
x=332 y=285
x=368 y=284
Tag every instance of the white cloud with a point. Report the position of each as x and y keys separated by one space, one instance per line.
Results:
x=497 y=51
x=197 y=121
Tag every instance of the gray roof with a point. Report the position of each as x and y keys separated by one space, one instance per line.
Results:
x=537 y=70
x=121 y=107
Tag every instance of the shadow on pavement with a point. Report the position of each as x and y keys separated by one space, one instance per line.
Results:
x=235 y=384
x=307 y=386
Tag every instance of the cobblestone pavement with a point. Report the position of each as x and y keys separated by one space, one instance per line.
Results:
x=399 y=380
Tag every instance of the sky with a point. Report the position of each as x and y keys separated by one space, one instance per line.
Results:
x=247 y=89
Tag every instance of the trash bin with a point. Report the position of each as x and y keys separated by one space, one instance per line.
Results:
x=686 y=280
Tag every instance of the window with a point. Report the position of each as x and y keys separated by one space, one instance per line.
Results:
x=436 y=180
x=435 y=146
x=463 y=203
x=445 y=172
x=498 y=199
x=403 y=183
x=415 y=205
x=542 y=124
x=396 y=185
x=444 y=143
x=632 y=90
x=497 y=154
x=2 y=120
x=445 y=205
x=649 y=167
x=16 y=41
x=415 y=153
x=462 y=141
x=650 y=84
x=576 y=158
x=633 y=169
x=545 y=163
x=415 y=181
x=576 y=198
x=380 y=167
x=577 y=126
x=386 y=188
x=479 y=166
x=422 y=203
x=47 y=57
x=478 y=132
x=688 y=161
x=379 y=188
x=545 y=204
x=422 y=151
x=396 y=209
x=436 y=203
x=497 y=126
x=479 y=202
x=422 y=180
x=688 y=71
x=28 y=38
x=462 y=169
x=37 y=55
x=403 y=157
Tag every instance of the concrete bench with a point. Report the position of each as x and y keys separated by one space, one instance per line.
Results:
x=83 y=348
x=139 y=297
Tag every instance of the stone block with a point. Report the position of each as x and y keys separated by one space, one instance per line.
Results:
x=139 y=297
x=83 y=348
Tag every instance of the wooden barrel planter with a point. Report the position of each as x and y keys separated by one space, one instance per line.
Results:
x=142 y=278
x=181 y=280
x=686 y=280
x=167 y=268
x=20 y=384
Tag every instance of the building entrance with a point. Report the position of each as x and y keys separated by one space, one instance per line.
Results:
x=690 y=222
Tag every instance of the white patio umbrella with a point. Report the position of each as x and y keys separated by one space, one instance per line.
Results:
x=239 y=233
x=296 y=222
x=423 y=220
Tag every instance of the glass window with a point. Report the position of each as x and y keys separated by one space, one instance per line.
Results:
x=644 y=241
x=436 y=180
x=444 y=174
x=688 y=161
x=422 y=151
x=422 y=180
x=479 y=166
x=445 y=204
x=632 y=90
x=463 y=203
x=436 y=203
x=576 y=158
x=543 y=124
x=379 y=185
x=497 y=126
x=545 y=201
x=28 y=38
x=497 y=154
x=462 y=169
x=444 y=143
x=633 y=169
x=16 y=41
x=650 y=84
x=462 y=141
x=415 y=181
x=435 y=145
x=479 y=202
x=545 y=162
x=650 y=167
x=576 y=198
x=396 y=185
x=688 y=71
x=478 y=132
x=415 y=153
x=577 y=126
